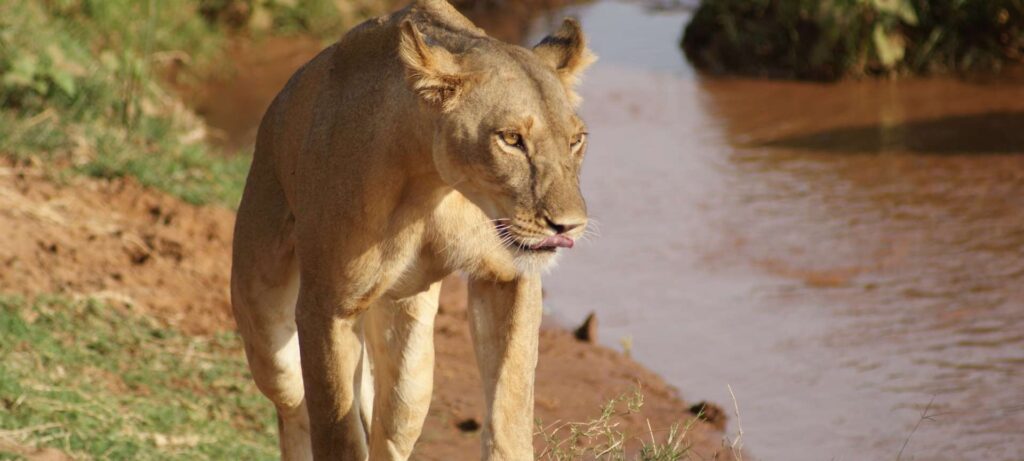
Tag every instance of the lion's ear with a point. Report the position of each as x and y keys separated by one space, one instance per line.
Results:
x=566 y=51
x=432 y=72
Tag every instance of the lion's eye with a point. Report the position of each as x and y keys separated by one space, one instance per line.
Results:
x=512 y=139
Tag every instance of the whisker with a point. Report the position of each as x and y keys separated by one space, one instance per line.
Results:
x=456 y=183
x=486 y=225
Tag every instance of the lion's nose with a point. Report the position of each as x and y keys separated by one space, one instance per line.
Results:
x=563 y=225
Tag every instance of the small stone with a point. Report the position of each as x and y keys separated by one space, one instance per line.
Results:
x=710 y=413
x=468 y=425
x=587 y=332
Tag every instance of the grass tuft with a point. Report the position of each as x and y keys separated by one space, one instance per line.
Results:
x=601 y=438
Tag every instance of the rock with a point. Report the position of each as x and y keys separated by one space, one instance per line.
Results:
x=710 y=413
x=468 y=425
x=587 y=332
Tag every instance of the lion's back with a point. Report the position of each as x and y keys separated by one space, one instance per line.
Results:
x=323 y=91
x=347 y=102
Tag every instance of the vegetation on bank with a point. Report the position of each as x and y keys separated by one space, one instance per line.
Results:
x=81 y=93
x=828 y=40
x=100 y=383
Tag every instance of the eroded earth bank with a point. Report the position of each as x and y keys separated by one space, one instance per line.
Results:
x=144 y=253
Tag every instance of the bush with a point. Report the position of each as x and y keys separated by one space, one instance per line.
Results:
x=827 y=40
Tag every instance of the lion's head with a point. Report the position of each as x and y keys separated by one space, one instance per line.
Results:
x=507 y=134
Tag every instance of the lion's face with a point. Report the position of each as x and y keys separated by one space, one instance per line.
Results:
x=514 y=147
x=509 y=139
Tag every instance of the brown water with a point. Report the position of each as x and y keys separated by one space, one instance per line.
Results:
x=841 y=255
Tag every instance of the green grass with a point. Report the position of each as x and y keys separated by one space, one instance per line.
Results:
x=102 y=383
x=79 y=92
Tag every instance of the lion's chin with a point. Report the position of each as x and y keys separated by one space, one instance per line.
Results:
x=534 y=262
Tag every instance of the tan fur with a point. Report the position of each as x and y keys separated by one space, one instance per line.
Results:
x=384 y=165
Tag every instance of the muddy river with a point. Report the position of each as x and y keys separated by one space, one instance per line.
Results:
x=846 y=257
x=841 y=255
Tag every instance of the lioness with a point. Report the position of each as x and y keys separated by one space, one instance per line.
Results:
x=414 y=147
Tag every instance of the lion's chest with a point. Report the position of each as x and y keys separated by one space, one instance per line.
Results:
x=416 y=272
x=454 y=236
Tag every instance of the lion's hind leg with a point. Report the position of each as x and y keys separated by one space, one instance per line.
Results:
x=264 y=288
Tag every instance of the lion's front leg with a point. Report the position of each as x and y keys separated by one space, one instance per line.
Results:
x=400 y=336
x=505 y=321
x=331 y=350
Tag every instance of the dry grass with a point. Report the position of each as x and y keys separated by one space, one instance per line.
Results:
x=602 y=439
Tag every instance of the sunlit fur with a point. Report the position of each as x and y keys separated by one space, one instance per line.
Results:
x=414 y=147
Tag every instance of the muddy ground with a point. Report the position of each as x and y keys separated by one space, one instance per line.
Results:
x=142 y=250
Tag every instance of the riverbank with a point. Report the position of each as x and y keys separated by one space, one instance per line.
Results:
x=118 y=255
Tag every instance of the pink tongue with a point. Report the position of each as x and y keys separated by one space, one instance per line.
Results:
x=555 y=241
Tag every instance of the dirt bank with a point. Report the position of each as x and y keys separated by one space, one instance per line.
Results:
x=142 y=250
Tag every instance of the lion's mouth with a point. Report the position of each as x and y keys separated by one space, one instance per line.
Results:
x=548 y=244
